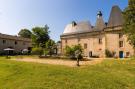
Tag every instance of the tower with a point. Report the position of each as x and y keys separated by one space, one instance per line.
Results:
x=100 y=25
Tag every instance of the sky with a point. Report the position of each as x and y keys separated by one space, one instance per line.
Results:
x=19 y=14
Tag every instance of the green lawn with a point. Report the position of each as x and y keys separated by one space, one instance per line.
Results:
x=111 y=74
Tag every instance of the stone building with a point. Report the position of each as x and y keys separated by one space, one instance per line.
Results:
x=14 y=42
x=98 y=39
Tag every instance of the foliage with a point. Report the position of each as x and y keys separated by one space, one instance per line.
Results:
x=50 y=45
x=129 y=22
x=46 y=52
x=70 y=51
x=109 y=53
x=37 y=51
x=25 y=33
x=40 y=35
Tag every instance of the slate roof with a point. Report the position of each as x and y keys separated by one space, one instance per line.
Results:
x=100 y=25
x=80 y=27
x=116 y=18
x=5 y=36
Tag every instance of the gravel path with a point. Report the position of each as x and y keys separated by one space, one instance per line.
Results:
x=59 y=61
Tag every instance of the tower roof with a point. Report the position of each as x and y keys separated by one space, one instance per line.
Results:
x=116 y=18
x=100 y=22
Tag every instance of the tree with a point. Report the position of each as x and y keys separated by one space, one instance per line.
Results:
x=71 y=51
x=40 y=35
x=129 y=22
x=50 y=45
x=25 y=33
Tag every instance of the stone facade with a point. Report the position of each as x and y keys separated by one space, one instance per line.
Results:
x=100 y=37
x=14 y=42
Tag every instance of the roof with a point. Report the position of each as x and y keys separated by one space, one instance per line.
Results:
x=80 y=27
x=116 y=18
x=5 y=36
x=100 y=25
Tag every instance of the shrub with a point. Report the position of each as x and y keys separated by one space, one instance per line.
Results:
x=46 y=52
x=37 y=51
x=70 y=51
x=109 y=53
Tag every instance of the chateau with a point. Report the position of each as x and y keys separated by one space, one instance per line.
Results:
x=14 y=42
x=98 y=39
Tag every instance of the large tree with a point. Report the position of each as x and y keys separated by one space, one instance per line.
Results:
x=129 y=21
x=40 y=35
x=25 y=33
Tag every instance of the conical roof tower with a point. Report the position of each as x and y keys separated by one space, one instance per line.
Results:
x=116 y=18
x=100 y=25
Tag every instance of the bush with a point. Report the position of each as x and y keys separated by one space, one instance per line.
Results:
x=46 y=52
x=37 y=51
x=109 y=53
x=70 y=51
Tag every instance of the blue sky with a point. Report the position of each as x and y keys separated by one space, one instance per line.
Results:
x=19 y=14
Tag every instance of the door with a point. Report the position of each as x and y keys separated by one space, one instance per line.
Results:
x=121 y=54
x=90 y=54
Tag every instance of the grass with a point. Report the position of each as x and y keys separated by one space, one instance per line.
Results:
x=111 y=74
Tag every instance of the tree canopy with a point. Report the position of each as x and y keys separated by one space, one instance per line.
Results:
x=25 y=33
x=129 y=21
x=70 y=51
x=40 y=35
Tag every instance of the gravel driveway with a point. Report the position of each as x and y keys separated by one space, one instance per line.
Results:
x=59 y=61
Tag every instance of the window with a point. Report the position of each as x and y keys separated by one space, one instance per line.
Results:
x=66 y=41
x=79 y=39
x=100 y=41
x=4 y=41
x=15 y=42
x=127 y=54
x=85 y=46
x=121 y=44
x=120 y=35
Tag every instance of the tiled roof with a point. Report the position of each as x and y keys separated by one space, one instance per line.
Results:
x=116 y=18
x=5 y=36
x=100 y=25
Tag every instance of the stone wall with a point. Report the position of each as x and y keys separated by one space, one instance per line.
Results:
x=110 y=41
x=92 y=43
x=112 y=44
x=17 y=43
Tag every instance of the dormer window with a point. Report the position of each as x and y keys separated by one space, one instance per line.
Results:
x=74 y=23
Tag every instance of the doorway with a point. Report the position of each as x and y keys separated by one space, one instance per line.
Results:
x=121 y=54
x=90 y=54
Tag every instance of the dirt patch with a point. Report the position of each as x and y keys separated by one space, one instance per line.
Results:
x=59 y=61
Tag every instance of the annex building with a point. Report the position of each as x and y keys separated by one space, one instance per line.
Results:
x=14 y=42
x=98 y=39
